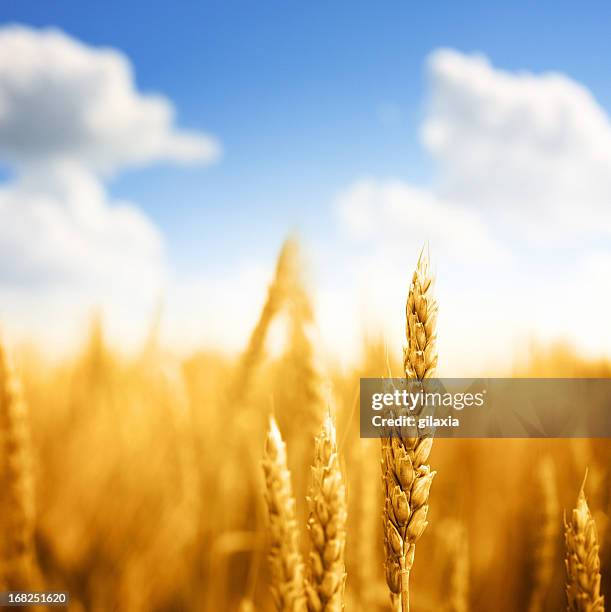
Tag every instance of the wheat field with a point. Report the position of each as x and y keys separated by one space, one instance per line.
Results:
x=216 y=483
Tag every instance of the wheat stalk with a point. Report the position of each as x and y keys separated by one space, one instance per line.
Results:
x=327 y=526
x=458 y=544
x=15 y=481
x=287 y=571
x=304 y=370
x=545 y=553
x=240 y=383
x=405 y=475
x=276 y=297
x=582 y=560
x=368 y=493
x=304 y=385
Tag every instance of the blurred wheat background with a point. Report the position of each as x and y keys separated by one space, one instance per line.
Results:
x=137 y=484
x=179 y=423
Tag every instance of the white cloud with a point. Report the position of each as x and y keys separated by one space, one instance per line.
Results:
x=396 y=214
x=70 y=115
x=57 y=227
x=533 y=149
x=60 y=98
x=518 y=218
x=528 y=153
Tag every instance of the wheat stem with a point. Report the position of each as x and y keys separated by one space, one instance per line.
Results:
x=545 y=552
x=368 y=495
x=277 y=294
x=457 y=546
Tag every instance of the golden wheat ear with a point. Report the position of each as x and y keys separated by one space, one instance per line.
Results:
x=582 y=560
x=286 y=565
x=16 y=482
x=406 y=476
x=327 y=525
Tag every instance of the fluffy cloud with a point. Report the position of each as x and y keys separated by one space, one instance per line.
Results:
x=399 y=214
x=62 y=99
x=523 y=182
x=519 y=145
x=57 y=228
x=69 y=116
x=529 y=153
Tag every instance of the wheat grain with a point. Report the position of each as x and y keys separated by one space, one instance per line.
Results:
x=286 y=565
x=582 y=560
x=420 y=353
x=406 y=476
x=327 y=526
x=545 y=553
x=15 y=481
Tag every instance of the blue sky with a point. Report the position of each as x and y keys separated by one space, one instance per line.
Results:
x=340 y=120
x=295 y=92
